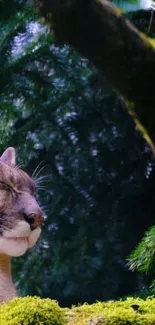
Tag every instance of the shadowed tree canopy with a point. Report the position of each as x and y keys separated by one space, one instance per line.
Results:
x=125 y=56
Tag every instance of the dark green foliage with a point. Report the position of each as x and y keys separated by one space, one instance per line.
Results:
x=143 y=258
x=98 y=194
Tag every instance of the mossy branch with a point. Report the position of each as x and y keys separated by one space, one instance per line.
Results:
x=122 y=54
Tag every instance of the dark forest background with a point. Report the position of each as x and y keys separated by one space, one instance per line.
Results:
x=97 y=173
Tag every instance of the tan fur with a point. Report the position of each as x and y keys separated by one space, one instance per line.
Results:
x=20 y=218
x=7 y=288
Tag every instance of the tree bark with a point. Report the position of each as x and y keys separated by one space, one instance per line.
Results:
x=123 y=55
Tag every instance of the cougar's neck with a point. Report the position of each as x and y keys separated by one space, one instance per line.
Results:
x=7 y=288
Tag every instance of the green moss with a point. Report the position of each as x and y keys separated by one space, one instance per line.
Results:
x=32 y=311
x=148 y=40
x=139 y=126
x=36 y=311
x=115 y=313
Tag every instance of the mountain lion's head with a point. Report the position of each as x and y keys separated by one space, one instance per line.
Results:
x=20 y=214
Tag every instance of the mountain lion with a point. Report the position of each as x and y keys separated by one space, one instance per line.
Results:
x=20 y=218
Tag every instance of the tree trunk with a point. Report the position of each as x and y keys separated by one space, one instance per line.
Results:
x=122 y=54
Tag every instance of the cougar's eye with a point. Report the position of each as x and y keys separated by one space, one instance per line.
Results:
x=5 y=186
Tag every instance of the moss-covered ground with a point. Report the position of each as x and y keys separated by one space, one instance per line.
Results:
x=36 y=311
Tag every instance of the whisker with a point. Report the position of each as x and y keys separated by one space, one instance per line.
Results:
x=43 y=177
x=19 y=165
x=6 y=228
x=44 y=207
x=39 y=171
x=42 y=181
x=37 y=168
x=41 y=188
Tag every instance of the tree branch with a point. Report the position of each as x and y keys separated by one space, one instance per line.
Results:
x=122 y=54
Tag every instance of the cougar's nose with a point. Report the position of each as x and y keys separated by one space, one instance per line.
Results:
x=34 y=219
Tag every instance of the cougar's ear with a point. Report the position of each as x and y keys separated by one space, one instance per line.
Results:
x=9 y=156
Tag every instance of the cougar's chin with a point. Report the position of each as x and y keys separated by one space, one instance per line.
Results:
x=13 y=246
x=34 y=235
x=15 y=242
